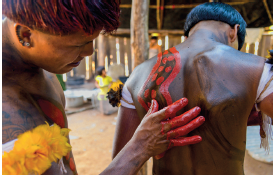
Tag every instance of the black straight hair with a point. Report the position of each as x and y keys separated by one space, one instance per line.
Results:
x=217 y=11
x=99 y=70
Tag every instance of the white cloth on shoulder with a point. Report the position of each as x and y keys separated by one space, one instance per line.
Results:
x=8 y=146
x=127 y=100
x=264 y=89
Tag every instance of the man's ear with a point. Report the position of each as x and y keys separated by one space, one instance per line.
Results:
x=23 y=34
x=233 y=33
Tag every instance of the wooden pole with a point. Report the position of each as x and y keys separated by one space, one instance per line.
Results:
x=101 y=50
x=139 y=31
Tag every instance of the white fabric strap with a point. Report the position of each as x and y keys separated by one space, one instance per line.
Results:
x=8 y=146
x=126 y=95
x=261 y=94
x=266 y=76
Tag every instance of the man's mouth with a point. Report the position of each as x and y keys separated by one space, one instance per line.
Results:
x=75 y=64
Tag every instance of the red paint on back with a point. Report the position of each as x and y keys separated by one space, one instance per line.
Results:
x=159 y=80
x=153 y=94
x=146 y=93
x=52 y=112
x=160 y=69
x=164 y=81
x=168 y=69
x=164 y=60
x=154 y=77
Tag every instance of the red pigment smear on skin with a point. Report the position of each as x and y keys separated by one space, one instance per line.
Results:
x=165 y=86
x=146 y=93
x=163 y=89
x=168 y=69
x=164 y=60
x=67 y=156
x=140 y=100
x=52 y=112
x=159 y=80
x=170 y=58
x=154 y=77
x=149 y=104
x=153 y=93
x=72 y=164
x=160 y=69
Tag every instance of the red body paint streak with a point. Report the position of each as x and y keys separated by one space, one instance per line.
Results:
x=168 y=69
x=153 y=94
x=52 y=112
x=154 y=77
x=170 y=58
x=160 y=69
x=164 y=60
x=72 y=164
x=67 y=156
x=163 y=82
x=165 y=85
x=159 y=80
x=146 y=94
x=141 y=101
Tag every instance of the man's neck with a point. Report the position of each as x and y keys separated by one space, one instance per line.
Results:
x=212 y=32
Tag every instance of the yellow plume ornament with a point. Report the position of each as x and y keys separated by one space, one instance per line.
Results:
x=35 y=150
x=114 y=93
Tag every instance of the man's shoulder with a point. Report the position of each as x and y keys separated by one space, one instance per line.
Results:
x=18 y=113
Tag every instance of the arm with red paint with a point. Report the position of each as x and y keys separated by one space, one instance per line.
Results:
x=153 y=136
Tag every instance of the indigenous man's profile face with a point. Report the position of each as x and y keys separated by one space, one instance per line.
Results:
x=59 y=54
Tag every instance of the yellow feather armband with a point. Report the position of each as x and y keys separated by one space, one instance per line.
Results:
x=114 y=93
x=34 y=150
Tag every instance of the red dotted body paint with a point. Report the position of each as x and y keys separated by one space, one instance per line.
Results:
x=160 y=69
x=158 y=81
x=164 y=60
x=154 y=77
x=52 y=112
x=72 y=164
x=168 y=69
x=153 y=94
x=146 y=94
x=67 y=156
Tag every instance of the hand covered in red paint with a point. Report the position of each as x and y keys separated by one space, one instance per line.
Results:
x=162 y=130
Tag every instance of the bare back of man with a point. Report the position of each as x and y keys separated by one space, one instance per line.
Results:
x=217 y=78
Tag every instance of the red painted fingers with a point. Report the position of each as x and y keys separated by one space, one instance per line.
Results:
x=183 y=119
x=184 y=130
x=153 y=108
x=185 y=141
x=172 y=109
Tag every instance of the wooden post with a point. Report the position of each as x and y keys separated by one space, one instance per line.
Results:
x=140 y=40
x=101 y=49
x=139 y=31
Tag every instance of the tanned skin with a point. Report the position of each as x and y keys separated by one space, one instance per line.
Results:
x=33 y=96
x=214 y=76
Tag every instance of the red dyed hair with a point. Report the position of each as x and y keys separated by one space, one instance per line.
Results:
x=64 y=16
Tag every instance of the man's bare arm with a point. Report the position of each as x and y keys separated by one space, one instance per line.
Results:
x=127 y=123
x=266 y=105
